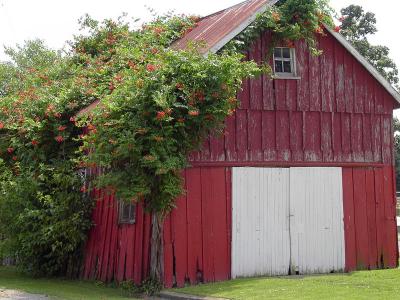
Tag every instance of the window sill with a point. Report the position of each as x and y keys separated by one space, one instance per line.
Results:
x=276 y=77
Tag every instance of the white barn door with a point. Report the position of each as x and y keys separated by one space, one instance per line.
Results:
x=316 y=220
x=287 y=219
x=260 y=223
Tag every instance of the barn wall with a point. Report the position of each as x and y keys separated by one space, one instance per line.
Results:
x=116 y=252
x=369 y=205
x=196 y=235
x=335 y=112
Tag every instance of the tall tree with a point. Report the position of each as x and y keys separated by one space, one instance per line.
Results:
x=357 y=26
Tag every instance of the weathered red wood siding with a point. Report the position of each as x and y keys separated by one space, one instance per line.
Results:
x=369 y=217
x=196 y=235
x=336 y=114
x=116 y=252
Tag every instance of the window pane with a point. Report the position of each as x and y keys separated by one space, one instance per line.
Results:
x=278 y=66
x=125 y=212
x=286 y=52
x=278 y=52
x=132 y=213
x=287 y=68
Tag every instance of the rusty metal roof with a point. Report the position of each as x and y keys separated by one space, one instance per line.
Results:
x=219 y=28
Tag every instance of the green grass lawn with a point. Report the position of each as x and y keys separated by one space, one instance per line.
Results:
x=381 y=284
x=58 y=288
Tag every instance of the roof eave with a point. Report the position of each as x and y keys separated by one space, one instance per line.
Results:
x=240 y=28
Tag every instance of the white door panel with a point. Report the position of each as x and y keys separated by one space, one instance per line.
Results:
x=287 y=218
x=316 y=220
x=260 y=224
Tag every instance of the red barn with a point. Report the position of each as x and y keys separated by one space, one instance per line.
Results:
x=301 y=182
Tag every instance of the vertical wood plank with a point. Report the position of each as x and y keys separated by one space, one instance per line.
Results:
x=359 y=87
x=230 y=138
x=371 y=218
x=377 y=138
x=378 y=98
x=361 y=223
x=228 y=189
x=337 y=137
x=380 y=216
x=327 y=74
x=146 y=246
x=349 y=219
x=256 y=89
x=217 y=147
x=390 y=247
x=179 y=237
x=123 y=239
x=280 y=94
x=269 y=135
x=370 y=94
x=367 y=138
x=357 y=138
x=312 y=137
x=255 y=138
x=339 y=78
x=107 y=242
x=387 y=139
x=241 y=134
x=103 y=195
x=168 y=253
x=283 y=136
x=291 y=94
x=114 y=241
x=348 y=85
x=220 y=257
x=296 y=136
x=303 y=90
x=326 y=137
x=194 y=224
x=315 y=83
x=267 y=82
x=388 y=103
x=130 y=251
x=138 y=258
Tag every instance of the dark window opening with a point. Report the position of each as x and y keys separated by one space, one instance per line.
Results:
x=126 y=212
x=284 y=62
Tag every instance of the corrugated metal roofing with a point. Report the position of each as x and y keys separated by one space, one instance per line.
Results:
x=219 y=28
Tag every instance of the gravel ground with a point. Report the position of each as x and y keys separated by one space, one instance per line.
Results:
x=6 y=294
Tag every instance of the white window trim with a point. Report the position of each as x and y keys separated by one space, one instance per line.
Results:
x=292 y=59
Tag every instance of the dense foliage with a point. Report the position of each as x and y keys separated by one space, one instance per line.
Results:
x=151 y=106
x=356 y=26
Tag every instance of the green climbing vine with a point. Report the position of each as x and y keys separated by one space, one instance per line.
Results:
x=154 y=106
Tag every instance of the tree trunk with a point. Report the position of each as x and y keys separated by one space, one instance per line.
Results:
x=156 y=251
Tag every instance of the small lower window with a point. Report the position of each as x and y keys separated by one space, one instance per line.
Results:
x=126 y=212
x=284 y=62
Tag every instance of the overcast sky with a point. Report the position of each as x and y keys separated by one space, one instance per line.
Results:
x=55 y=21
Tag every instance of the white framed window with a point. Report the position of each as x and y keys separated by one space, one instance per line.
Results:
x=126 y=212
x=284 y=62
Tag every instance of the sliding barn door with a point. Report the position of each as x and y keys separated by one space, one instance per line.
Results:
x=287 y=221
x=260 y=223
x=316 y=220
